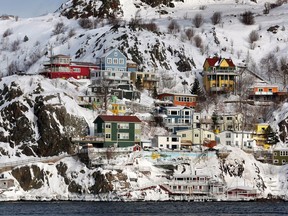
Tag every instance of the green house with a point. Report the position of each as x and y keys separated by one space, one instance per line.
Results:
x=120 y=131
x=280 y=156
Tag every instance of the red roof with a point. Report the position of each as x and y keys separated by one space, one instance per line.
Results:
x=214 y=60
x=114 y=118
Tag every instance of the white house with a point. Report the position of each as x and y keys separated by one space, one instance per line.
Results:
x=167 y=142
x=242 y=139
x=199 y=136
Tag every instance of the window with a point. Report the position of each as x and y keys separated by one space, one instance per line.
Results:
x=183 y=135
x=175 y=139
x=108 y=136
x=123 y=135
x=237 y=143
x=115 y=61
x=174 y=112
x=167 y=139
x=109 y=60
x=123 y=126
x=229 y=118
x=196 y=135
x=121 y=61
x=107 y=125
x=228 y=142
x=283 y=161
x=275 y=161
x=228 y=135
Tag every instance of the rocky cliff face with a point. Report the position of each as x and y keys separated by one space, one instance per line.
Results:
x=34 y=122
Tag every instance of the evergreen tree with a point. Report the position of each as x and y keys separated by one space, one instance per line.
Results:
x=197 y=90
x=138 y=83
x=271 y=136
x=195 y=87
x=154 y=93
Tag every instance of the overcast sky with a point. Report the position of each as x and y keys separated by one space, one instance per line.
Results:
x=29 y=8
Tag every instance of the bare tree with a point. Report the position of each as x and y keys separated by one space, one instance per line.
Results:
x=253 y=37
x=15 y=45
x=198 y=41
x=283 y=71
x=7 y=33
x=173 y=27
x=267 y=8
x=269 y=65
x=198 y=20
x=247 y=18
x=190 y=33
x=216 y=18
x=59 y=28
x=85 y=23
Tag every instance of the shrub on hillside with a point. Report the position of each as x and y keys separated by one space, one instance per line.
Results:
x=85 y=23
x=198 y=20
x=216 y=18
x=15 y=45
x=7 y=33
x=253 y=36
x=190 y=33
x=59 y=28
x=173 y=27
x=151 y=26
x=198 y=41
x=247 y=18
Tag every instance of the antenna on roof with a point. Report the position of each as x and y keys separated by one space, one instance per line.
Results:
x=51 y=50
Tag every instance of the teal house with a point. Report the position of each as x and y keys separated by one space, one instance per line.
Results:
x=118 y=131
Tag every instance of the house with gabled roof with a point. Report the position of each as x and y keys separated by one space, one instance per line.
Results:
x=113 y=68
x=219 y=75
x=117 y=131
x=62 y=66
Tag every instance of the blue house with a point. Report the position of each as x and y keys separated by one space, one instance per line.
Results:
x=113 y=69
x=176 y=118
x=113 y=60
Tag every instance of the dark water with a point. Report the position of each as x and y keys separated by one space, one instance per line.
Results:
x=143 y=208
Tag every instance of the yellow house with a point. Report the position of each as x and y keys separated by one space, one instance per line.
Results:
x=260 y=134
x=118 y=109
x=219 y=75
x=149 y=80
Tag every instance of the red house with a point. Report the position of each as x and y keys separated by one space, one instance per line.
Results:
x=61 y=66
x=178 y=99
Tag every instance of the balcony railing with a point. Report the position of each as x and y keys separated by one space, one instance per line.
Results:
x=155 y=79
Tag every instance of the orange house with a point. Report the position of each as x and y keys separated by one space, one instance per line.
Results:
x=266 y=93
x=187 y=100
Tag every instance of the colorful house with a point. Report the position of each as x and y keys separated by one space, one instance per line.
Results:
x=178 y=99
x=227 y=121
x=61 y=66
x=219 y=75
x=259 y=134
x=113 y=68
x=280 y=156
x=195 y=136
x=118 y=108
x=120 y=131
x=148 y=80
x=266 y=93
